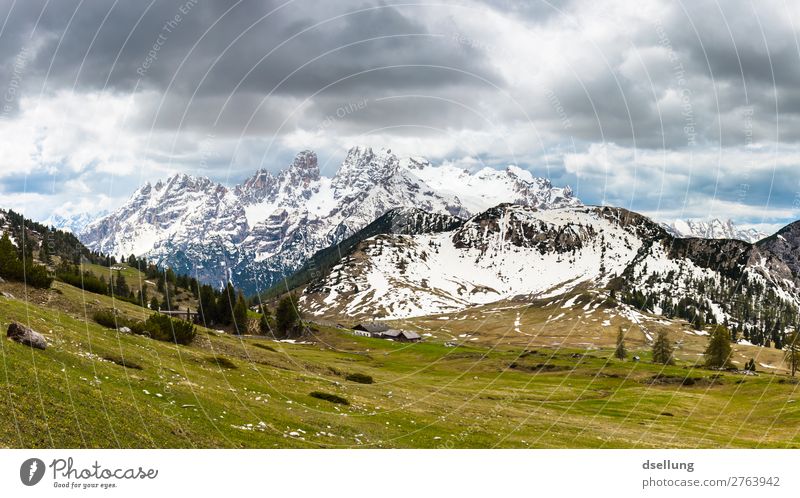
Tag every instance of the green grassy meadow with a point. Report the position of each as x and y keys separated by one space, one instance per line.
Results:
x=96 y=388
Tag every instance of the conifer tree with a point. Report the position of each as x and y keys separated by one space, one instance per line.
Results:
x=263 y=323
x=621 y=352
x=208 y=305
x=225 y=304
x=699 y=323
x=662 y=349
x=121 y=288
x=9 y=262
x=287 y=317
x=718 y=352
x=166 y=304
x=240 y=315
x=791 y=350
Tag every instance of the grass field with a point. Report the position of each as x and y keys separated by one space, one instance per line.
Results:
x=133 y=276
x=94 y=387
x=137 y=279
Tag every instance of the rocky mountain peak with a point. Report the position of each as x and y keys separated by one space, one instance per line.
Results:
x=305 y=167
x=181 y=183
x=416 y=163
x=272 y=223
x=364 y=167
x=256 y=188
x=522 y=226
x=73 y=223
x=516 y=172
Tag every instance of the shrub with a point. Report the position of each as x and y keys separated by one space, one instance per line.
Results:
x=333 y=398
x=123 y=362
x=266 y=346
x=221 y=362
x=360 y=378
x=159 y=327
x=112 y=320
x=164 y=328
x=87 y=282
x=105 y=318
x=37 y=276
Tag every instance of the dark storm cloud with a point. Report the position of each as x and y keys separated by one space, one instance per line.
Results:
x=224 y=58
x=727 y=59
x=218 y=49
x=738 y=40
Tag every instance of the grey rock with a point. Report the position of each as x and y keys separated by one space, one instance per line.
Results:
x=786 y=246
x=26 y=336
x=125 y=330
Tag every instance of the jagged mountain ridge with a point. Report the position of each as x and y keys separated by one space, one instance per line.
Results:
x=266 y=228
x=513 y=252
x=713 y=229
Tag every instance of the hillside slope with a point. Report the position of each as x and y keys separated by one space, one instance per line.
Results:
x=95 y=388
x=518 y=252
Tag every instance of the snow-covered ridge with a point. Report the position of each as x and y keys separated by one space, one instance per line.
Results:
x=265 y=228
x=488 y=187
x=512 y=251
x=505 y=252
x=714 y=229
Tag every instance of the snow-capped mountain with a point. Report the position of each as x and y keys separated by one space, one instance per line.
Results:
x=267 y=227
x=512 y=252
x=714 y=229
x=73 y=223
x=504 y=252
x=488 y=187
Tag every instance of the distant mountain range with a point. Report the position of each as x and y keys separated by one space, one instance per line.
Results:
x=714 y=229
x=263 y=230
x=43 y=239
x=73 y=223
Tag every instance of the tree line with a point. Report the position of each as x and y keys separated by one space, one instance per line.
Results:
x=758 y=314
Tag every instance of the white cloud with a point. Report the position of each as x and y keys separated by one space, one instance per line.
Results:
x=732 y=182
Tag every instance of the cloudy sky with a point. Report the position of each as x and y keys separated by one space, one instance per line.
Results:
x=672 y=108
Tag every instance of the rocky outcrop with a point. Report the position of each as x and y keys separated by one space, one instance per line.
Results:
x=27 y=336
x=785 y=245
x=520 y=227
